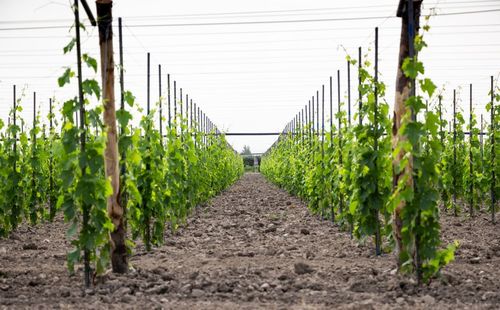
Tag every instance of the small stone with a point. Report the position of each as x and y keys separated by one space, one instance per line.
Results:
x=128 y=298
x=475 y=260
x=30 y=246
x=3 y=250
x=65 y=293
x=42 y=276
x=309 y=255
x=186 y=289
x=270 y=229
x=167 y=276
x=123 y=291
x=194 y=275
x=265 y=286
x=302 y=268
x=159 y=289
x=367 y=301
x=400 y=300
x=197 y=293
x=488 y=295
x=428 y=299
x=223 y=288
x=305 y=231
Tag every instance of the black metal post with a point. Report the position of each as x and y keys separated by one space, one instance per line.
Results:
x=122 y=87
x=360 y=95
x=51 y=164
x=349 y=93
x=471 y=159
x=180 y=104
x=187 y=109
x=148 y=109
x=123 y=192
x=317 y=111
x=378 y=240
x=411 y=54
x=85 y=207
x=441 y=133
x=309 y=123
x=180 y=109
x=159 y=102
x=175 y=105
x=191 y=114
x=195 y=127
x=455 y=211
x=341 y=198
x=322 y=143
x=34 y=116
x=493 y=155
x=14 y=110
x=168 y=102
x=481 y=142
x=331 y=112
x=313 y=115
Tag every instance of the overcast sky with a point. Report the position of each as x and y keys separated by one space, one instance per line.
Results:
x=249 y=77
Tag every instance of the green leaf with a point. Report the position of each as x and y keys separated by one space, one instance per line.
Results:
x=72 y=258
x=91 y=62
x=72 y=230
x=91 y=87
x=129 y=98
x=65 y=77
x=123 y=117
x=69 y=46
x=412 y=67
x=427 y=86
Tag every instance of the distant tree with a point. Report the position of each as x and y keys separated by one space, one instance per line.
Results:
x=246 y=150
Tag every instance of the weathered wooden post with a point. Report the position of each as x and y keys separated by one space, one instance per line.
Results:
x=119 y=258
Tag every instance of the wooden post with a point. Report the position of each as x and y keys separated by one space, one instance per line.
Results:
x=119 y=258
x=403 y=92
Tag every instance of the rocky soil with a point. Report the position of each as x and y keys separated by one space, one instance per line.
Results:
x=254 y=246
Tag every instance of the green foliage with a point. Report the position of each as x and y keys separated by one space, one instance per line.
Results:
x=348 y=174
x=371 y=171
x=13 y=194
x=420 y=251
x=84 y=190
x=162 y=179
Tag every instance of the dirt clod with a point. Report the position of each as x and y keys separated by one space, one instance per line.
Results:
x=302 y=268
x=305 y=231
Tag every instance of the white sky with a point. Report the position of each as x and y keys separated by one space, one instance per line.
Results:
x=250 y=77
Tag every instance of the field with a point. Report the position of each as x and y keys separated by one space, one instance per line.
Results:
x=122 y=184
x=239 y=251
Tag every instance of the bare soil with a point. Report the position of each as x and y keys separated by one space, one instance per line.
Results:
x=254 y=246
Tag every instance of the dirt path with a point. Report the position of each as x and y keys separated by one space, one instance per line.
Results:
x=254 y=246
